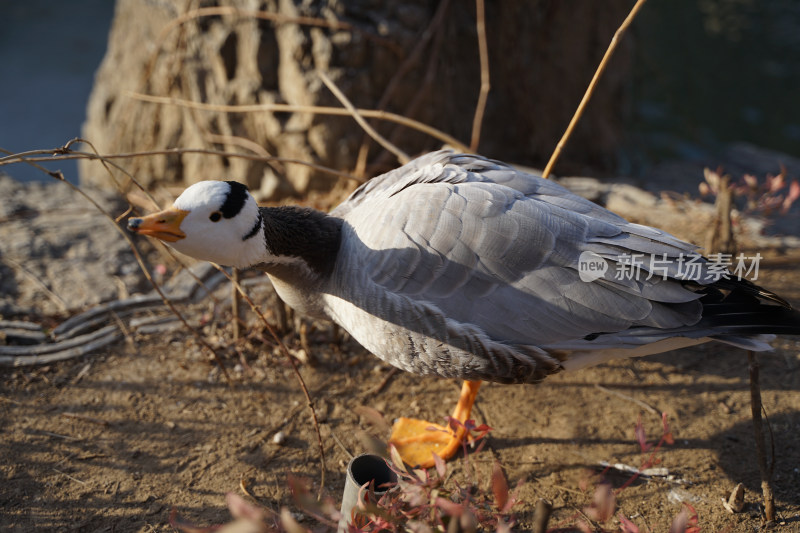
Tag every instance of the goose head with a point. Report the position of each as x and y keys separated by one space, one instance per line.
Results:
x=217 y=221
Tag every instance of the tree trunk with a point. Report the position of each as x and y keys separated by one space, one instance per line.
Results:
x=398 y=56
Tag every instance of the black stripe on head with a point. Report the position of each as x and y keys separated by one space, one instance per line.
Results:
x=235 y=200
x=254 y=231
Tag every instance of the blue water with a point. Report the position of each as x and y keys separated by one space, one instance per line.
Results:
x=49 y=52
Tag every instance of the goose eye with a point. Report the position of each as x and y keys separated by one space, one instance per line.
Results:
x=215 y=216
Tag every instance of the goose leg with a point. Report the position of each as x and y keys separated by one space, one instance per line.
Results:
x=418 y=440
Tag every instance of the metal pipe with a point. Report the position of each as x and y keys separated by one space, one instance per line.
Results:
x=363 y=469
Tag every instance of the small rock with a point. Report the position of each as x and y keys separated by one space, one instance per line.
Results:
x=279 y=438
x=301 y=355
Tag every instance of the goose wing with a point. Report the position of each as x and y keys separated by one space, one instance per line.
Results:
x=499 y=249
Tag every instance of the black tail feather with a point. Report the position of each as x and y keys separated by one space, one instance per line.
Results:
x=745 y=309
x=743 y=287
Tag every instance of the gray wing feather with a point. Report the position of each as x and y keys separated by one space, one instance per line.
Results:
x=504 y=258
x=463 y=266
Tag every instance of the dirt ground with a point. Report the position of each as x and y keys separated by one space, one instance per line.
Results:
x=115 y=440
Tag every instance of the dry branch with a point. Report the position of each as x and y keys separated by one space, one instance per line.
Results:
x=483 y=53
x=285 y=351
x=59 y=301
x=277 y=18
x=590 y=90
x=380 y=139
x=761 y=451
x=318 y=110
x=60 y=154
x=650 y=409
x=59 y=176
x=410 y=61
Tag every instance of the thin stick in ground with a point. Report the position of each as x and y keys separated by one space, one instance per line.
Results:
x=285 y=351
x=761 y=451
x=235 y=299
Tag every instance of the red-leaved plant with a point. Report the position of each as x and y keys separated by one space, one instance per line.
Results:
x=596 y=515
x=421 y=501
x=774 y=195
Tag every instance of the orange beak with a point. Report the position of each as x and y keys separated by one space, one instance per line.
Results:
x=164 y=225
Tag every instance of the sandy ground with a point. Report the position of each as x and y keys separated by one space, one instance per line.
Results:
x=115 y=440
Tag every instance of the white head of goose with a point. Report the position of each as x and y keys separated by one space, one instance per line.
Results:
x=464 y=267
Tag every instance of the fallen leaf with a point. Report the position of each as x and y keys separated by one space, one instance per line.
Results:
x=241 y=508
x=735 y=501
x=499 y=486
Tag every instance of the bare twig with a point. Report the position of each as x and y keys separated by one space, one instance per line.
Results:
x=427 y=82
x=761 y=453
x=106 y=164
x=126 y=332
x=292 y=108
x=590 y=90
x=59 y=154
x=618 y=394
x=380 y=139
x=59 y=176
x=341 y=445
x=235 y=299
x=483 y=51
x=241 y=142
x=76 y=480
x=413 y=58
x=277 y=18
x=59 y=435
x=291 y=360
x=79 y=376
x=85 y=418
x=59 y=301
x=405 y=67
x=247 y=144
x=379 y=387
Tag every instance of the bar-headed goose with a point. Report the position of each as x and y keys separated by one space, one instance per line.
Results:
x=463 y=267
